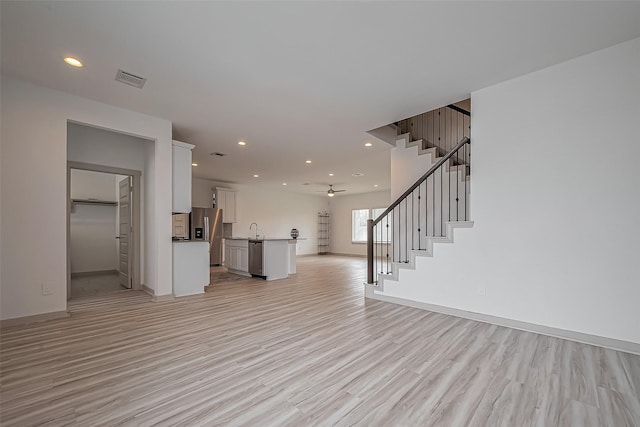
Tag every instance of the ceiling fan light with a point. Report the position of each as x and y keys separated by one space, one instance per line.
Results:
x=330 y=194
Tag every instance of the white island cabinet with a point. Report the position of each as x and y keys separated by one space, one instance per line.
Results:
x=236 y=255
x=277 y=258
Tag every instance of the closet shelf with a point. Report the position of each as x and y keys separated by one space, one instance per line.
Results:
x=93 y=202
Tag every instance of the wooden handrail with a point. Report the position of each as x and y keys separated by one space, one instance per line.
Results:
x=459 y=110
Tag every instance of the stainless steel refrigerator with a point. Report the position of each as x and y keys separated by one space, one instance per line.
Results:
x=206 y=224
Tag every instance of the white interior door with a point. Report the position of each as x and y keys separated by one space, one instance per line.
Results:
x=124 y=207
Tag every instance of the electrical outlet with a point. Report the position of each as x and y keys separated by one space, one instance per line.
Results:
x=482 y=290
x=47 y=290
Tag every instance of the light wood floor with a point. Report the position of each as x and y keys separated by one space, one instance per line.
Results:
x=89 y=285
x=303 y=351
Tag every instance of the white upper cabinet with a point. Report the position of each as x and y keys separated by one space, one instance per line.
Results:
x=182 y=176
x=226 y=200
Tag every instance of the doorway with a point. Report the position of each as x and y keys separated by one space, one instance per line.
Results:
x=104 y=236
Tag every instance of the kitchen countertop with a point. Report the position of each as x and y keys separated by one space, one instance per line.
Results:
x=190 y=241
x=268 y=239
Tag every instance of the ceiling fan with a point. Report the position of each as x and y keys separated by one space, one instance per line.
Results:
x=331 y=192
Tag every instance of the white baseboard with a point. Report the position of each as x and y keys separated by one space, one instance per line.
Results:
x=157 y=298
x=349 y=255
x=35 y=318
x=161 y=298
x=238 y=272
x=614 y=344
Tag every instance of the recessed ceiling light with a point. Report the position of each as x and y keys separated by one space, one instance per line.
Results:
x=375 y=185
x=75 y=62
x=284 y=183
x=194 y=164
x=368 y=144
x=242 y=143
x=308 y=161
x=357 y=174
x=256 y=176
x=330 y=174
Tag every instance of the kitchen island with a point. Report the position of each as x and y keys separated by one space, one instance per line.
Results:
x=269 y=258
x=190 y=267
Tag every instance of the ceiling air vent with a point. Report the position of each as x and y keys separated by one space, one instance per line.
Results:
x=130 y=79
x=215 y=153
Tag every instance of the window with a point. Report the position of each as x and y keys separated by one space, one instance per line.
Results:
x=359 y=219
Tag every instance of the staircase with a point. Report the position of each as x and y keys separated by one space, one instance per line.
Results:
x=433 y=207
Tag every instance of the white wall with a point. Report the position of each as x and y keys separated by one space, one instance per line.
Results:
x=93 y=228
x=407 y=167
x=276 y=212
x=555 y=202
x=34 y=251
x=340 y=209
x=105 y=147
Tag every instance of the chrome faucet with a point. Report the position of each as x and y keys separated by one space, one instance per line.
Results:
x=252 y=224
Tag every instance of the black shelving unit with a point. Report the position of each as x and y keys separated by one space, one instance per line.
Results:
x=323 y=233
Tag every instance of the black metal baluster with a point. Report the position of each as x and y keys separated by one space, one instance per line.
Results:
x=426 y=207
x=400 y=232
x=457 y=189
x=419 y=235
x=438 y=145
x=413 y=246
x=373 y=253
x=458 y=127
x=387 y=244
x=381 y=243
x=406 y=227
x=393 y=235
x=441 y=219
x=378 y=247
x=375 y=259
x=465 y=183
x=433 y=203
x=449 y=192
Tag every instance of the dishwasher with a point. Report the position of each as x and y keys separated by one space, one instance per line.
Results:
x=255 y=258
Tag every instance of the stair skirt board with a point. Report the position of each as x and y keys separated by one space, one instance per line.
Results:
x=405 y=139
x=611 y=343
x=427 y=252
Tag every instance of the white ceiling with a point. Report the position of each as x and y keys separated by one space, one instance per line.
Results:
x=297 y=80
